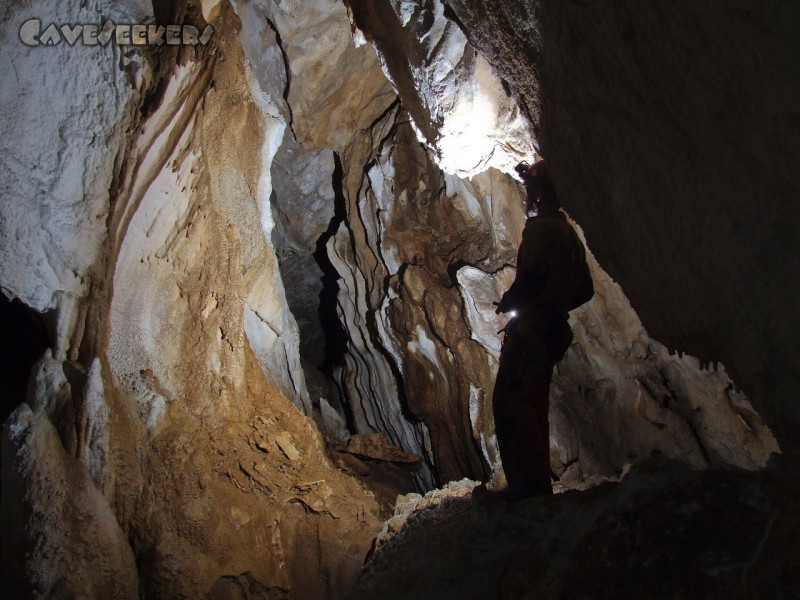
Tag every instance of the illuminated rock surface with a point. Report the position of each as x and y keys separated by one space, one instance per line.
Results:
x=266 y=270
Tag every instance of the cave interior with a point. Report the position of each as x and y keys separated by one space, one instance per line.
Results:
x=248 y=290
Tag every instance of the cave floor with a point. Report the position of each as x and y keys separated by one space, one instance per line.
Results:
x=664 y=531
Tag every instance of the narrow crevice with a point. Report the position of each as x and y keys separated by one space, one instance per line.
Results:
x=288 y=73
x=366 y=185
x=405 y=410
x=371 y=315
x=329 y=316
x=453 y=268
x=395 y=104
x=336 y=338
x=24 y=341
x=289 y=372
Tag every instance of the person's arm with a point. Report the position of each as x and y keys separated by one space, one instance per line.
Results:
x=531 y=266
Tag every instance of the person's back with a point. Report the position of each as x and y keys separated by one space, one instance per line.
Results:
x=551 y=264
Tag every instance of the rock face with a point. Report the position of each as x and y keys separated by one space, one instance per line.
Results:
x=267 y=266
x=168 y=417
x=662 y=532
x=636 y=107
x=57 y=525
x=458 y=105
x=437 y=253
x=55 y=210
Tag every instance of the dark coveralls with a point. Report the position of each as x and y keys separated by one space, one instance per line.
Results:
x=551 y=279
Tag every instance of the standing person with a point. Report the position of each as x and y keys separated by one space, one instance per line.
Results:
x=552 y=278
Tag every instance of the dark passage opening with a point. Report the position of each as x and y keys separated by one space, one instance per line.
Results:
x=24 y=340
x=335 y=334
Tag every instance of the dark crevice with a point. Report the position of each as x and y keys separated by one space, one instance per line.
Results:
x=444 y=41
x=371 y=316
x=405 y=410
x=372 y=330
x=25 y=339
x=336 y=338
x=366 y=186
x=288 y=73
x=453 y=269
x=452 y=16
x=289 y=372
x=394 y=105
x=154 y=99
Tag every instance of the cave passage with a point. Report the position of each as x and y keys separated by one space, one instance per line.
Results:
x=335 y=334
x=23 y=342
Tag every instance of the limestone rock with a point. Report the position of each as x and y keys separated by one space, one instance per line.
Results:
x=189 y=319
x=60 y=536
x=410 y=505
x=243 y=241
x=457 y=103
x=58 y=157
x=303 y=207
x=637 y=399
x=93 y=443
x=445 y=264
x=376 y=446
x=635 y=106
x=661 y=531
x=284 y=441
x=334 y=86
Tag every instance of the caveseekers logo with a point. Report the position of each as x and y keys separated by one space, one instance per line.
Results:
x=31 y=34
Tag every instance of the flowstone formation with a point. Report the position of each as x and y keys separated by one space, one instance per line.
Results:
x=266 y=268
x=162 y=450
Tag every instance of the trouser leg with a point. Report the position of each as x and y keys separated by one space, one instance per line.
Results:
x=521 y=403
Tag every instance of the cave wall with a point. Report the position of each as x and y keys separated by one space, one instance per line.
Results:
x=671 y=135
x=633 y=395
x=411 y=227
x=163 y=448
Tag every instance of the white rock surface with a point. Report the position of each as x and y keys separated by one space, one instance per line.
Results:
x=93 y=444
x=58 y=152
x=455 y=99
